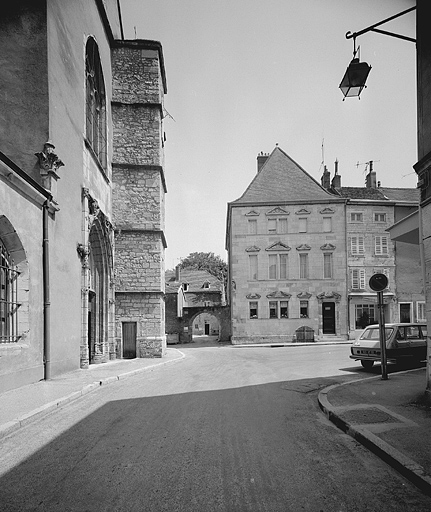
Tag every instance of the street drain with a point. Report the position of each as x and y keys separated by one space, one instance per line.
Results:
x=367 y=416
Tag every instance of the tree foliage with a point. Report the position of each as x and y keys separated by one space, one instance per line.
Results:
x=206 y=261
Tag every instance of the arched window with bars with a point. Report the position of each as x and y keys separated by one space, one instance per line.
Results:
x=8 y=297
x=95 y=103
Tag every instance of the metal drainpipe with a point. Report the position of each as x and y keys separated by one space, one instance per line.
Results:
x=46 y=297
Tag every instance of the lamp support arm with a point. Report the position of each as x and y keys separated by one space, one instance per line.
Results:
x=372 y=28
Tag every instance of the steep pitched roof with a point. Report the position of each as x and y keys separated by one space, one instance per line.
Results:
x=362 y=193
x=282 y=179
x=380 y=194
x=194 y=278
x=402 y=194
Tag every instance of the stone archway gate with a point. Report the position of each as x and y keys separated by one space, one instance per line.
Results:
x=222 y=313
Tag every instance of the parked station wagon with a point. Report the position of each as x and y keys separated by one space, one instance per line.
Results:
x=404 y=342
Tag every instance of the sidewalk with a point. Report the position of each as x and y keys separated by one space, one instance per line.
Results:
x=25 y=404
x=392 y=418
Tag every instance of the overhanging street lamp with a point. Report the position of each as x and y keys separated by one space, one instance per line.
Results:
x=356 y=75
x=354 y=78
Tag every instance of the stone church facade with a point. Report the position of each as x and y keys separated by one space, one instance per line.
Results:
x=81 y=190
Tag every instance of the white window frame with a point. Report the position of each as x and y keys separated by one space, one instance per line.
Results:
x=282 y=225
x=272 y=226
x=381 y=245
x=302 y=225
x=304 y=305
x=327 y=224
x=253 y=267
x=357 y=278
x=253 y=305
x=357 y=217
x=252 y=226
x=304 y=270
x=379 y=214
x=281 y=266
x=276 y=305
x=328 y=265
x=277 y=226
x=421 y=304
x=357 y=245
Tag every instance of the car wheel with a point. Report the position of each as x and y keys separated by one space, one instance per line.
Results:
x=367 y=364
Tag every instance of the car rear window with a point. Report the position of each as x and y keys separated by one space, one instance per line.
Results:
x=373 y=333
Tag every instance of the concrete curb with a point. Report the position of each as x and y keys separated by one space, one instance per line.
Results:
x=403 y=464
x=12 y=426
x=288 y=344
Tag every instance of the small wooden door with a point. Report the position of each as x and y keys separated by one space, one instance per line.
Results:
x=207 y=329
x=328 y=314
x=129 y=340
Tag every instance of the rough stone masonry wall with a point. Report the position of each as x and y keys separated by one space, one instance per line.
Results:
x=138 y=194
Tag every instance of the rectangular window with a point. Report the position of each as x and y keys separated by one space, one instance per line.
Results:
x=273 y=313
x=421 y=311
x=284 y=309
x=283 y=266
x=381 y=245
x=357 y=245
x=302 y=225
x=356 y=217
x=379 y=217
x=282 y=226
x=272 y=226
x=365 y=314
x=253 y=310
x=277 y=226
x=327 y=224
x=252 y=227
x=358 y=278
x=303 y=266
x=405 y=312
x=273 y=266
x=303 y=308
x=252 y=259
x=327 y=266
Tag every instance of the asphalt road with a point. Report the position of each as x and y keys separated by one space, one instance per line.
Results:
x=225 y=429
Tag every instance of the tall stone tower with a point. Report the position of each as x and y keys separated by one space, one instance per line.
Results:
x=139 y=85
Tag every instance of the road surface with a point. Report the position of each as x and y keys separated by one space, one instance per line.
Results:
x=225 y=429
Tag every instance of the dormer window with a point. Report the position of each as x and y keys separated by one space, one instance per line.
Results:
x=206 y=285
x=185 y=286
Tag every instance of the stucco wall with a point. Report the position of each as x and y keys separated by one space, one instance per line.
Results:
x=21 y=362
x=263 y=328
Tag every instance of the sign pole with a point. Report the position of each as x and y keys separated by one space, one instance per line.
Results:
x=382 y=336
x=379 y=282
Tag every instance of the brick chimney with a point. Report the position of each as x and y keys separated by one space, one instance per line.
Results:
x=370 y=180
x=326 y=178
x=336 y=180
x=261 y=159
x=178 y=273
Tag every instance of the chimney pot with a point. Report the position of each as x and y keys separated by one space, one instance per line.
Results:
x=261 y=159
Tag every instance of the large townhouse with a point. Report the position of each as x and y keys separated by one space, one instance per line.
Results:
x=286 y=243
x=370 y=212
x=301 y=255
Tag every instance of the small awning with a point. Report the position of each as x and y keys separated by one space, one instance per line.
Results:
x=370 y=297
x=406 y=230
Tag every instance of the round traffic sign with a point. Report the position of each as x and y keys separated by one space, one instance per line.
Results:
x=378 y=282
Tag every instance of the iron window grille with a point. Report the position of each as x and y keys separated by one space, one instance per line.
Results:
x=8 y=297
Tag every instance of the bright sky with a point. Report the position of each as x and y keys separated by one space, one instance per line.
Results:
x=244 y=75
